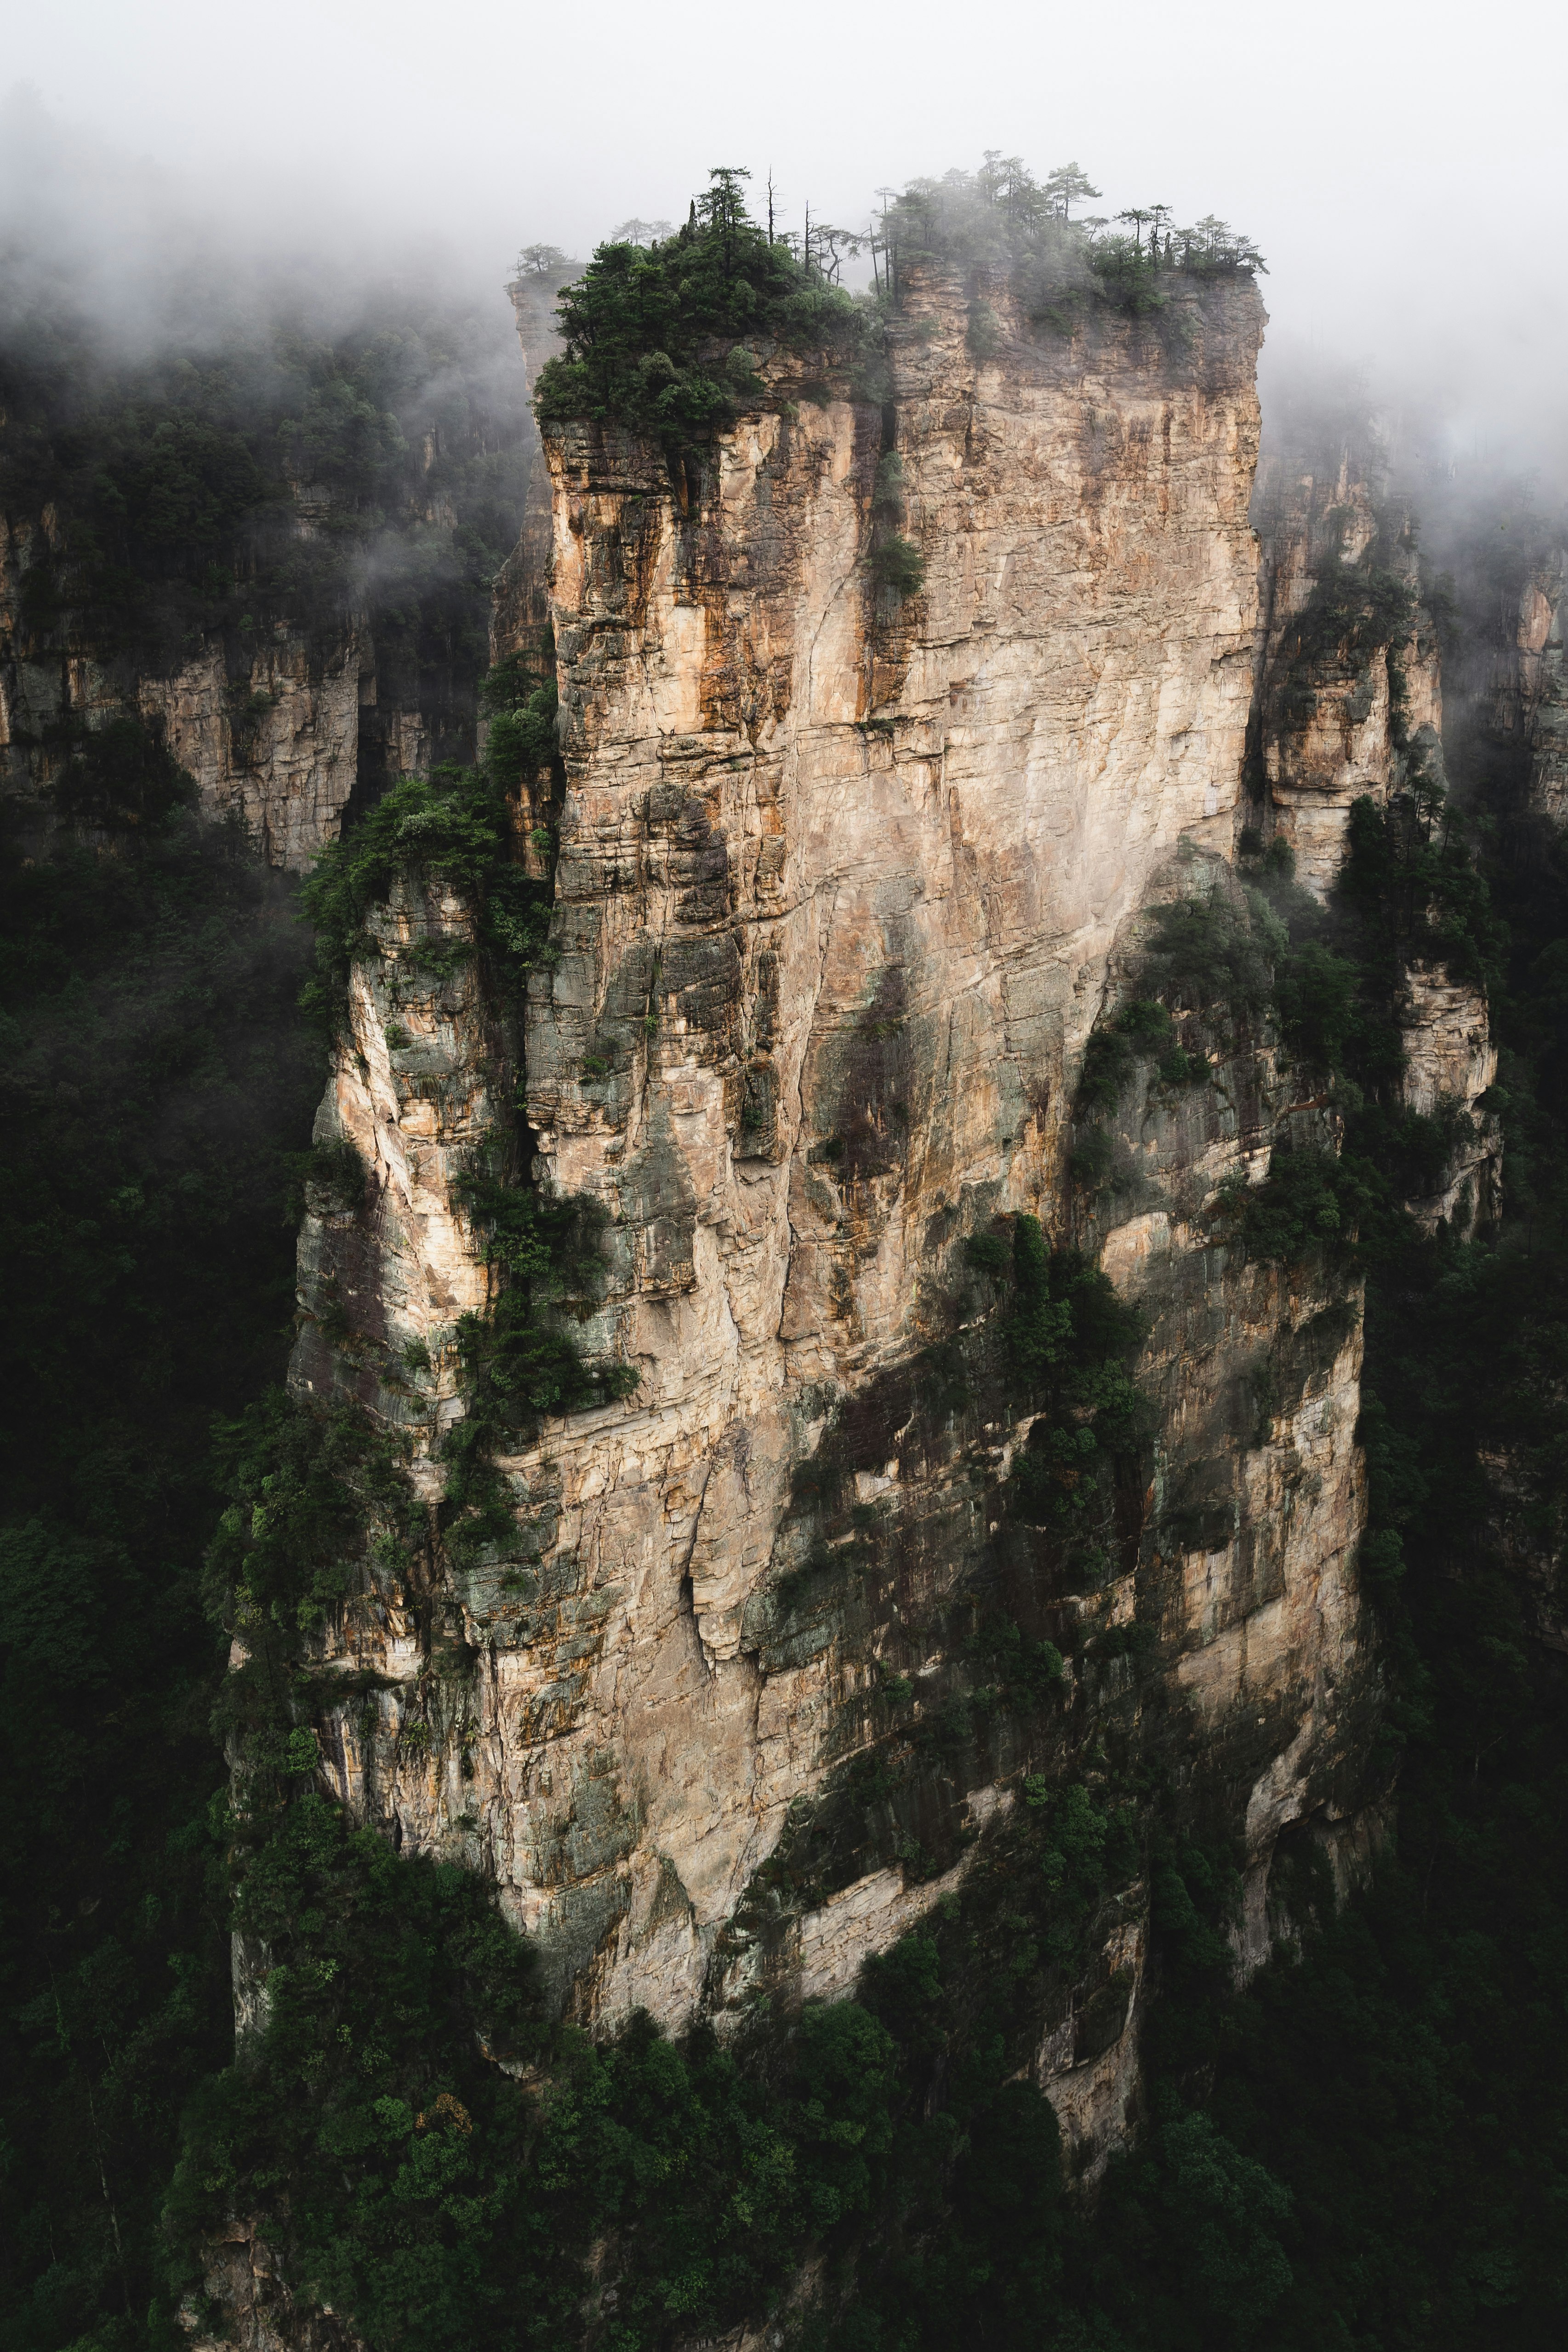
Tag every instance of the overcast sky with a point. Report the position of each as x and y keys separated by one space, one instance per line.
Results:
x=1402 y=167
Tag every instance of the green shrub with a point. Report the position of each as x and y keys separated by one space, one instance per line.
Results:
x=1411 y=879
x=334 y=1172
x=1142 y=1028
x=898 y=566
x=432 y=2200
x=523 y=741
x=984 y=334
x=307 y=1490
x=451 y=824
x=1317 y=994
x=1308 y=1205
x=887 y=497
x=520 y=1361
x=454 y=824
x=1354 y=612
x=401 y=2148
x=1092 y=1161
x=987 y=1255
x=1067 y=1338
x=1204 y=954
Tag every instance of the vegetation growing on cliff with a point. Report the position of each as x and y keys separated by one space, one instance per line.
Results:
x=662 y=336
x=659 y=337
x=1354 y=612
x=520 y=1361
x=1068 y=1341
x=1409 y=895
x=458 y=827
x=1043 y=1351
x=1203 y=977
x=438 y=2201
x=455 y=826
x=1002 y=219
x=1403 y=2076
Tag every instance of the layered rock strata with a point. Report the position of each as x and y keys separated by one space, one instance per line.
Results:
x=844 y=883
x=275 y=741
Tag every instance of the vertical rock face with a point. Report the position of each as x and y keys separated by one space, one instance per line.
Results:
x=278 y=735
x=273 y=732
x=278 y=719
x=1247 y=1564
x=521 y=607
x=1542 y=692
x=837 y=885
x=844 y=884
x=279 y=747
x=1334 y=721
x=1450 y=1062
x=385 y=1277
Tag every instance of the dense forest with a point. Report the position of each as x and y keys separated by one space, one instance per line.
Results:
x=1366 y=2145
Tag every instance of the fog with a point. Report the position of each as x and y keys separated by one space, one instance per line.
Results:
x=1400 y=167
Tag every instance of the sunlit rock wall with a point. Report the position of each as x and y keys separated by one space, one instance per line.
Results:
x=843 y=882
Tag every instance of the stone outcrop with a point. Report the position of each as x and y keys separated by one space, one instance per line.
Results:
x=278 y=722
x=259 y=2313
x=275 y=735
x=414 y=1092
x=1541 y=705
x=1450 y=1062
x=1339 y=726
x=1330 y=729
x=844 y=883
x=278 y=746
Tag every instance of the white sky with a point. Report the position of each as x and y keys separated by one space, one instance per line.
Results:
x=1400 y=167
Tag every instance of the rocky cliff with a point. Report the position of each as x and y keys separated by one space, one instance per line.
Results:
x=1349 y=675
x=1349 y=707
x=846 y=883
x=278 y=745
x=277 y=726
x=1540 y=705
x=270 y=569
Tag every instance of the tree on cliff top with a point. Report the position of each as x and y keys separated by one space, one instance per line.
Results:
x=1001 y=217
x=1065 y=187
x=657 y=337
